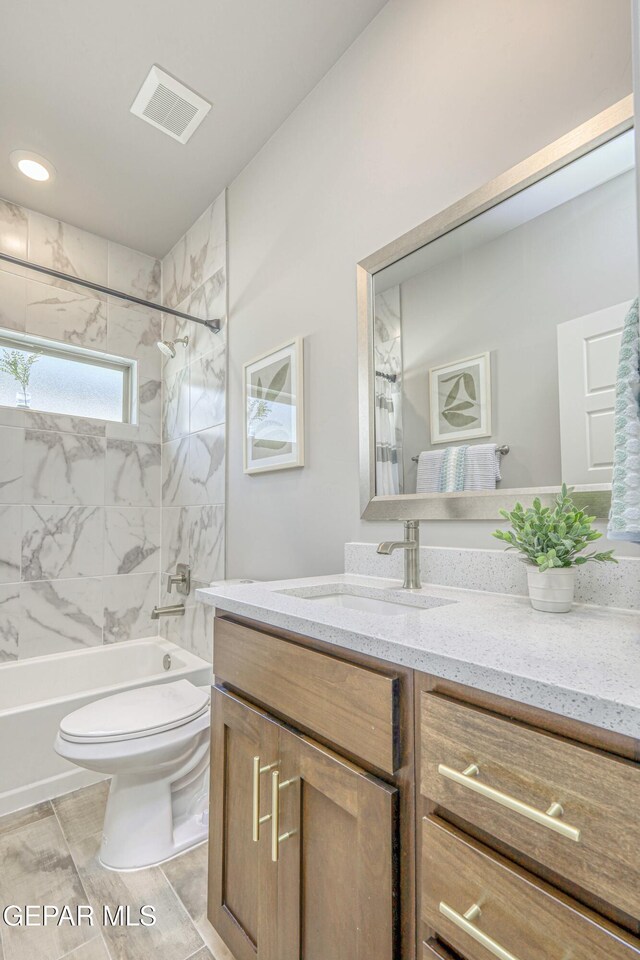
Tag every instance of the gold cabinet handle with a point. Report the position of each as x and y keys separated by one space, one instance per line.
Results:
x=549 y=818
x=276 y=837
x=466 y=922
x=256 y=819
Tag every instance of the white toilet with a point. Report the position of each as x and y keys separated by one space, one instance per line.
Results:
x=154 y=742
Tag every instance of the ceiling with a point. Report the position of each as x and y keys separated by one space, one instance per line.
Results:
x=70 y=71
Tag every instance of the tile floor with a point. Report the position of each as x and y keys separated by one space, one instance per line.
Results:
x=48 y=855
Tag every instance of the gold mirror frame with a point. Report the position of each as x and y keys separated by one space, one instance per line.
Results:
x=605 y=126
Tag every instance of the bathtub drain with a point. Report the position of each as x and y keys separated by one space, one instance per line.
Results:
x=166 y=661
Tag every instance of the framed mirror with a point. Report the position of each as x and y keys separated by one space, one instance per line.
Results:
x=489 y=337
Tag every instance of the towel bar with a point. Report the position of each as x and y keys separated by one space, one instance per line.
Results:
x=503 y=449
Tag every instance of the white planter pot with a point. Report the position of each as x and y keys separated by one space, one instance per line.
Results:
x=551 y=591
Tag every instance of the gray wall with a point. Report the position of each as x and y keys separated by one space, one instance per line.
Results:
x=432 y=100
x=508 y=297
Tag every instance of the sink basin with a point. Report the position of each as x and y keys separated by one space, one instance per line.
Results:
x=386 y=603
x=388 y=608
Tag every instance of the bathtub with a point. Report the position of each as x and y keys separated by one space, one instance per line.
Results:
x=35 y=695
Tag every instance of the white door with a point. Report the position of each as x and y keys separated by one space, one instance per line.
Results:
x=588 y=349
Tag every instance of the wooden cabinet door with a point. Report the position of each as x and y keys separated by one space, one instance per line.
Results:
x=336 y=872
x=242 y=876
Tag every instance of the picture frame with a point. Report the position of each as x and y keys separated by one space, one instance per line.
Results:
x=460 y=399
x=273 y=389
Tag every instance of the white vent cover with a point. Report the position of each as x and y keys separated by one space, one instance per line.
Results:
x=167 y=104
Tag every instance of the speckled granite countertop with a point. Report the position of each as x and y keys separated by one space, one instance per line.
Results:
x=584 y=664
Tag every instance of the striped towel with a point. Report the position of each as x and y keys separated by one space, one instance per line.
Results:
x=624 y=519
x=482 y=467
x=441 y=471
x=429 y=465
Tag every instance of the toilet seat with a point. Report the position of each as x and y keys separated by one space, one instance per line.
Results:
x=137 y=713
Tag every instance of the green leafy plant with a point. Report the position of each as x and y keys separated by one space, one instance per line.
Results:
x=18 y=365
x=552 y=537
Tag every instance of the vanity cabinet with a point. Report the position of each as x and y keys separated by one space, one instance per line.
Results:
x=336 y=872
x=483 y=905
x=242 y=879
x=349 y=706
x=363 y=810
x=566 y=806
x=528 y=828
x=303 y=859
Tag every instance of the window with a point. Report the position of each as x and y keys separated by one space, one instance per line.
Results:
x=53 y=377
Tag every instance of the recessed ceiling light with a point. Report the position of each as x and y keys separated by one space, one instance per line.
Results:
x=32 y=165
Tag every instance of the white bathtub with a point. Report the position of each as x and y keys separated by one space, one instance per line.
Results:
x=36 y=694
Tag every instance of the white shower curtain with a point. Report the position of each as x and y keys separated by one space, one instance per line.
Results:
x=387 y=470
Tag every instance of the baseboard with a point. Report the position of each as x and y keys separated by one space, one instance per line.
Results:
x=26 y=796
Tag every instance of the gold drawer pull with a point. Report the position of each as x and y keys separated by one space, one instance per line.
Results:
x=548 y=818
x=256 y=818
x=466 y=923
x=276 y=837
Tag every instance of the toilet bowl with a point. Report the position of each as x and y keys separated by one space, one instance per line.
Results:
x=154 y=743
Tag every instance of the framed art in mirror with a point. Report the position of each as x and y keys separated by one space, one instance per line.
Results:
x=460 y=400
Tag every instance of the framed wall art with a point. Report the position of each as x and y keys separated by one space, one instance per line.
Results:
x=274 y=409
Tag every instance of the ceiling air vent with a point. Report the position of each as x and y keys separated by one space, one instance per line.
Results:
x=167 y=104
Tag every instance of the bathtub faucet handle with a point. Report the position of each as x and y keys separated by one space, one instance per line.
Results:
x=181 y=579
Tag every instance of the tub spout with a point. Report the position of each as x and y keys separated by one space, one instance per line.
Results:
x=173 y=610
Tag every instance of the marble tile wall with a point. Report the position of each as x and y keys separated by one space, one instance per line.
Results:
x=193 y=421
x=80 y=499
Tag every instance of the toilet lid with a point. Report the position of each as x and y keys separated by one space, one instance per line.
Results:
x=136 y=713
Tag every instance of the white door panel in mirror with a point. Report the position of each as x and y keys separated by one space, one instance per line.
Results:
x=588 y=349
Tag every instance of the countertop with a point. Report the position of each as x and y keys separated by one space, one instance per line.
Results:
x=584 y=664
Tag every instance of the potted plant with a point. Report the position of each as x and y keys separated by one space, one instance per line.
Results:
x=18 y=365
x=552 y=541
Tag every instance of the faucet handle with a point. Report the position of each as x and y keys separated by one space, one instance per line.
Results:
x=181 y=579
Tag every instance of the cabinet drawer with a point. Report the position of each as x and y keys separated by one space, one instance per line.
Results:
x=434 y=951
x=509 y=914
x=351 y=707
x=517 y=775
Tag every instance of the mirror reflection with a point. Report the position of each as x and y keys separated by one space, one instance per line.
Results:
x=496 y=345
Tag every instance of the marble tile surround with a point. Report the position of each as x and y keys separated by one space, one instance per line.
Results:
x=497 y=571
x=132 y=473
x=197 y=256
x=92 y=512
x=193 y=420
x=80 y=499
x=63 y=468
x=53 y=243
x=13 y=301
x=13 y=229
x=60 y=542
x=131 y=540
x=73 y=316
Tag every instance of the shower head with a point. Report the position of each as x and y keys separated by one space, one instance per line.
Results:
x=168 y=347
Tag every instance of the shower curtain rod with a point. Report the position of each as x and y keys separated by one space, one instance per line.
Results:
x=213 y=325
